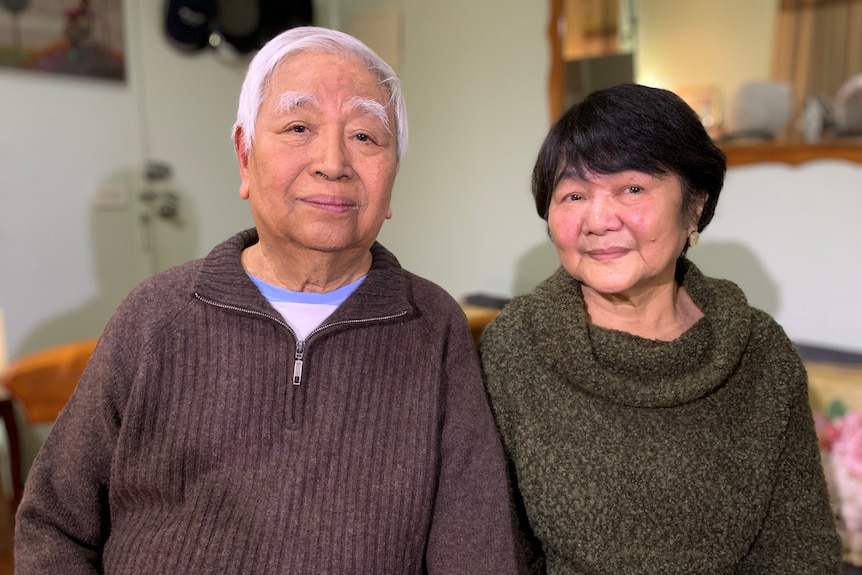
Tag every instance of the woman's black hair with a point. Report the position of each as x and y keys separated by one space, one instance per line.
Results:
x=633 y=127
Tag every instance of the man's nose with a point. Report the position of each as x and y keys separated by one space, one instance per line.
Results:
x=330 y=156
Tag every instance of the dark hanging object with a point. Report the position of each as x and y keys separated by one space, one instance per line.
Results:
x=244 y=24
x=269 y=18
x=187 y=23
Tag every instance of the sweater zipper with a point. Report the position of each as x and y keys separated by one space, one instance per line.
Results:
x=297 y=362
x=301 y=344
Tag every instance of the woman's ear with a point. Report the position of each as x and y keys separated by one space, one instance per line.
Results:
x=699 y=204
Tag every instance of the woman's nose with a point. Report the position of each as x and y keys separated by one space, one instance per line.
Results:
x=602 y=216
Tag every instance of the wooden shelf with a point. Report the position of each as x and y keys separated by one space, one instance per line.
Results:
x=792 y=153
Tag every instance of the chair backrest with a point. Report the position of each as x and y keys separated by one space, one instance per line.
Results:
x=760 y=108
x=478 y=317
x=43 y=381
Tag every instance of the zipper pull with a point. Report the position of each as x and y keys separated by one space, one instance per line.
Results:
x=297 y=363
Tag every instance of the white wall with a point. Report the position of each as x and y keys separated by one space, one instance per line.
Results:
x=475 y=77
x=790 y=237
x=65 y=265
x=59 y=138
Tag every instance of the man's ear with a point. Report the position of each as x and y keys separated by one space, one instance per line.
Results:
x=242 y=154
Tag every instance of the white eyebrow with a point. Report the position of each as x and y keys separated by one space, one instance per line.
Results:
x=372 y=107
x=291 y=100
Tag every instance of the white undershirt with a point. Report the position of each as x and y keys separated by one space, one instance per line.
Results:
x=304 y=311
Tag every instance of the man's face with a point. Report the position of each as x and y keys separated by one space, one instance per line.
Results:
x=320 y=172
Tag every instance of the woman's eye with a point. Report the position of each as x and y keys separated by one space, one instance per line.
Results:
x=362 y=137
x=573 y=197
x=297 y=129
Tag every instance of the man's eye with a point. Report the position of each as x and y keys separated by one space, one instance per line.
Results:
x=297 y=129
x=363 y=137
x=573 y=197
x=635 y=189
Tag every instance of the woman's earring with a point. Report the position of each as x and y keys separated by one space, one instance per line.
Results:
x=693 y=239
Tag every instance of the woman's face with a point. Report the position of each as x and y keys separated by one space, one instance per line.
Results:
x=619 y=234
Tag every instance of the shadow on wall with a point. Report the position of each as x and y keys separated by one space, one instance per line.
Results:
x=143 y=230
x=534 y=267
x=735 y=262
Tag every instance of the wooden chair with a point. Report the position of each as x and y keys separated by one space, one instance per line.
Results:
x=478 y=317
x=41 y=384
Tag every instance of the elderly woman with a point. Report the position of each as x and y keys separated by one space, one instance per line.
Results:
x=653 y=420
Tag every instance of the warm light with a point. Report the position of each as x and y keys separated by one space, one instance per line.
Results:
x=652 y=81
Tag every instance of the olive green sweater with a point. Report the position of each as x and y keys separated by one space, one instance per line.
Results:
x=633 y=456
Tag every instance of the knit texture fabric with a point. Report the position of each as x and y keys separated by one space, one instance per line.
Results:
x=634 y=456
x=187 y=447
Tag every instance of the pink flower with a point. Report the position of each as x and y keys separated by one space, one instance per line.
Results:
x=848 y=489
x=827 y=431
x=847 y=442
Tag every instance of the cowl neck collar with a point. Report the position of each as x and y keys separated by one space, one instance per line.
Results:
x=639 y=372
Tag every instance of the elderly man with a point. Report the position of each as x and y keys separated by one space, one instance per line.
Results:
x=295 y=402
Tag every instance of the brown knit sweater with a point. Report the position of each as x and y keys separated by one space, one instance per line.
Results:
x=188 y=449
x=632 y=456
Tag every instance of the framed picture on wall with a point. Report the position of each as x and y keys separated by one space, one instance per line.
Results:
x=73 y=37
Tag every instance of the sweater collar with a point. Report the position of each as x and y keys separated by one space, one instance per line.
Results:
x=223 y=280
x=636 y=371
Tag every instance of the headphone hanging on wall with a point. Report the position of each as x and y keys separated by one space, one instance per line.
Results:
x=245 y=25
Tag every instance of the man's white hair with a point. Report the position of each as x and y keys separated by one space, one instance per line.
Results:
x=305 y=39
